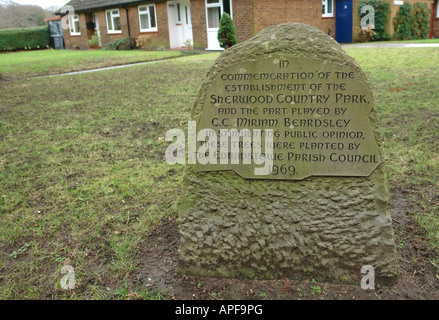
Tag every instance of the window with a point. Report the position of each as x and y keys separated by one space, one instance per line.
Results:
x=437 y=9
x=214 y=10
x=74 y=25
x=113 y=21
x=327 y=8
x=178 y=13
x=147 y=18
x=213 y=13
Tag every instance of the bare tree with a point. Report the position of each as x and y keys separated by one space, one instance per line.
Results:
x=13 y=15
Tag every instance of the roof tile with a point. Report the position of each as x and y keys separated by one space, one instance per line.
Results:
x=88 y=5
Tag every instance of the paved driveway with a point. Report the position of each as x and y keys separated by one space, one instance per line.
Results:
x=391 y=45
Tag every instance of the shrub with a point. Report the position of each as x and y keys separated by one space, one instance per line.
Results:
x=188 y=44
x=421 y=15
x=94 y=41
x=26 y=38
x=121 y=44
x=366 y=34
x=412 y=22
x=382 y=13
x=144 y=41
x=227 y=32
x=403 y=22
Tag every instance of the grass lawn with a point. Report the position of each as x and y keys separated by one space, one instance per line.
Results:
x=404 y=82
x=83 y=177
x=27 y=64
x=405 y=41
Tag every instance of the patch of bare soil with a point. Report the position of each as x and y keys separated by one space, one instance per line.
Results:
x=6 y=79
x=417 y=276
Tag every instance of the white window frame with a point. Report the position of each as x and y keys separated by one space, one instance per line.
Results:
x=149 y=17
x=327 y=14
x=219 y=4
x=112 y=16
x=437 y=9
x=72 y=26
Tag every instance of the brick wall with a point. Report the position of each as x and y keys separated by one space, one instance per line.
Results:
x=436 y=21
x=79 y=40
x=161 y=35
x=251 y=16
x=268 y=13
x=355 y=21
x=243 y=19
x=310 y=12
x=199 y=28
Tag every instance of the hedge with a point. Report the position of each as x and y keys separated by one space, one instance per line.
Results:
x=121 y=44
x=25 y=38
x=382 y=12
x=412 y=22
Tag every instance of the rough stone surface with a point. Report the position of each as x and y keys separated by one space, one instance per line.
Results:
x=322 y=227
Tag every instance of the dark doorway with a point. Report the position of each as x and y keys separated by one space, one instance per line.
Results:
x=227 y=7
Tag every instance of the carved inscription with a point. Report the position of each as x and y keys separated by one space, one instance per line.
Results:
x=318 y=112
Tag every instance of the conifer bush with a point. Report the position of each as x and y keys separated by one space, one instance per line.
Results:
x=227 y=32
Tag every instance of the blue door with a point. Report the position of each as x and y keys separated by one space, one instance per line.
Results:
x=343 y=21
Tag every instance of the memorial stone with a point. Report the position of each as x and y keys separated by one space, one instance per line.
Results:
x=320 y=206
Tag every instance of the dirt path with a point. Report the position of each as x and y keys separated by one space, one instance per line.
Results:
x=417 y=279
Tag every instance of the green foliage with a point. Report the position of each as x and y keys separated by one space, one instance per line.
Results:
x=421 y=14
x=412 y=22
x=402 y=22
x=382 y=13
x=121 y=44
x=27 y=38
x=227 y=32
x=94 y=41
